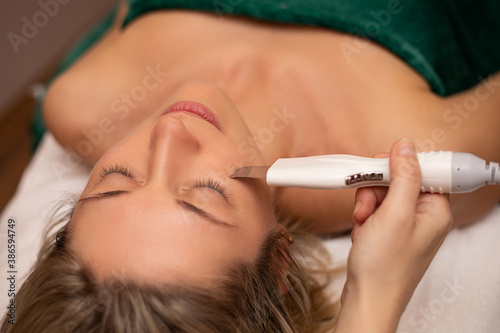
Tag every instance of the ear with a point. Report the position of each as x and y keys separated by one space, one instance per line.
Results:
x=284 y=257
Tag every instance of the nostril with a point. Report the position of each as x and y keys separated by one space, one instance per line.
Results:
x=171 y=129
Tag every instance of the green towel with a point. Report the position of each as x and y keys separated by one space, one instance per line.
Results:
x=453 y=44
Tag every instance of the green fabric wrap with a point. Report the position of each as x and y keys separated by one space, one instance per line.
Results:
x=451 y=43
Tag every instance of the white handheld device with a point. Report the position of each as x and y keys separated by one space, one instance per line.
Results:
x=442 y=172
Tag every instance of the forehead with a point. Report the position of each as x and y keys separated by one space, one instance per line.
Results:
x=119 y=236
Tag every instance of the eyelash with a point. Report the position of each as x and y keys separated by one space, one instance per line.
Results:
x=209 y=183
x=115 y=169
x=212 y=184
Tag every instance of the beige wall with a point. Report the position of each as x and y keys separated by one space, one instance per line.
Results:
x=28 y=58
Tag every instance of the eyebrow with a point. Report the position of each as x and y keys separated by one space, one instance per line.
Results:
x=187 y=206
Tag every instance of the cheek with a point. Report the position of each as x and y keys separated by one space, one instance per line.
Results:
x=239 y=153
x=243 y=144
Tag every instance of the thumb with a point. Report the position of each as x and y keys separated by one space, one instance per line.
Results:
x=406 y=177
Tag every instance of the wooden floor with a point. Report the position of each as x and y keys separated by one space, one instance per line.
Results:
x=15 y=146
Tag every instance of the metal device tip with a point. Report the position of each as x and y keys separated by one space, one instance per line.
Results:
x=238 y=173
x=251 y=172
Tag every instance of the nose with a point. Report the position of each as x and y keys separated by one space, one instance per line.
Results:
x=172 y=147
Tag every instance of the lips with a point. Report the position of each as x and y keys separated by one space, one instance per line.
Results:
x=194 y=108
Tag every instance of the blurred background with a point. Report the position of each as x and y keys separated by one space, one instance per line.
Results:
x=35 y=34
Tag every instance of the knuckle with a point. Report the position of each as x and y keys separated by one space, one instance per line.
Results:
x=448 y=221
x=444 y=218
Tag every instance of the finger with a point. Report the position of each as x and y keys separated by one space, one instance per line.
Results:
x=381 y=155
x=405 y=178
x=436 y=207
x=367 y=199
x=365 y=202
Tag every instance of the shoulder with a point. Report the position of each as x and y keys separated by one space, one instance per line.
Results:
x=77 y=100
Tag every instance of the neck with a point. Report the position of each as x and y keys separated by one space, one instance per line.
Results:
x=286 y=117
x=282 y=99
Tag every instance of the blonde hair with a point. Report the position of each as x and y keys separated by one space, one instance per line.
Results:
x=62 y=294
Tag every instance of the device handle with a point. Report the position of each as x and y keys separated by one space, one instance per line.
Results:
x=442 y=172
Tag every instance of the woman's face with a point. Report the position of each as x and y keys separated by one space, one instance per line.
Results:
x=160 y=206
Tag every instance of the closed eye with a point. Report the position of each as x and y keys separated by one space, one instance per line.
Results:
x=212 y=184
x=115 y=169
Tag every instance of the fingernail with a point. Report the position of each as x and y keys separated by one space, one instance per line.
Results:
x=357 y=206
x=406 y=147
